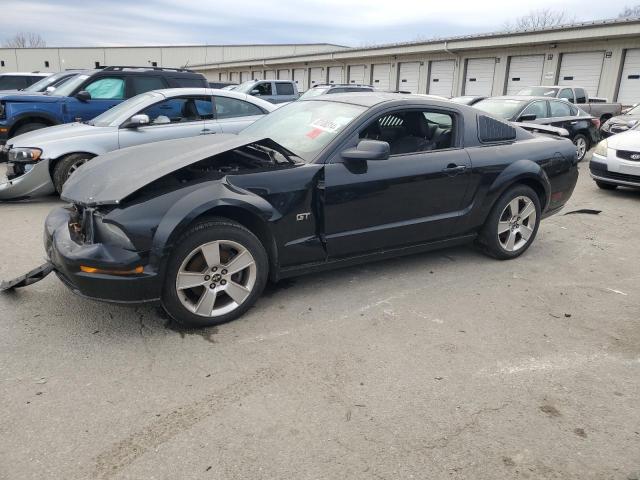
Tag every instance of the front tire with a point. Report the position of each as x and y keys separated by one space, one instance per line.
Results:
x=216 y=272
x=582 y=146
x=65 y=168
x=29 y=127
x=512 y=224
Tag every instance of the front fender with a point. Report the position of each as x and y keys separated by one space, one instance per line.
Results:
x=200 y=201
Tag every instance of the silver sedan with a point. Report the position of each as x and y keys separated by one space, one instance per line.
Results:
x=40 y=162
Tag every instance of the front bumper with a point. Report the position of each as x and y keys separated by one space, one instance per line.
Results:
x=614 y=170
x=35 y=182
x=67 y=255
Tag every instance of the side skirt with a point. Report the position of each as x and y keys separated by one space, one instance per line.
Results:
x=372 y=257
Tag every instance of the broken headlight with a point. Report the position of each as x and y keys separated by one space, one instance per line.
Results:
x=24 y=154
x=110 y=234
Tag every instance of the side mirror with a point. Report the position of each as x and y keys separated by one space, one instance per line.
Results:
x=527 y=118
x=83 y=96
x=368 y=150
x=50 y=89
x=137 y=121
x=255 y=91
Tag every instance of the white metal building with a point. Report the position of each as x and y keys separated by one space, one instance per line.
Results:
x=602 y=56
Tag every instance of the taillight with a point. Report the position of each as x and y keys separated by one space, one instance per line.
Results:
x=596 y=122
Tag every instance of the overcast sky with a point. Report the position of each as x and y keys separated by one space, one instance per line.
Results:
x=346 y=22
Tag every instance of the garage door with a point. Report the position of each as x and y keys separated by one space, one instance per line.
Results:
x=356 y=74
x=335 y=75
x=629 y=92
x=315 y=76
x=408 y=77
x=256 y=75
x=284 y=74
x=381 y=76
x=441 y=78
x=235 y=77
x=223 y=76
x=269 y=74
x=524 y=71
x=298 y=77
x=479 y=77
x=244 y=76
x=581 y=70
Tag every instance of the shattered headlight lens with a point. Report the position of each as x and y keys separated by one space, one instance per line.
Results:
x=601 y=148
x=24 y=154
x=110 y=234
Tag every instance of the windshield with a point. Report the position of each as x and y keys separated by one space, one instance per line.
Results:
x=41 y=85
x=501 y=108
x=115 y=114
x=313 y=92
x=245 y=87
x=305 y=128
x=539 y=91
x=69 y=86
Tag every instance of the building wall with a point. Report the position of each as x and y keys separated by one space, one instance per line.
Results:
x=33 y=59
x=608 y=86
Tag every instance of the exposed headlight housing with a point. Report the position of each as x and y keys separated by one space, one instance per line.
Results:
x=601 y=148
x=111 y=234
x=24 y=154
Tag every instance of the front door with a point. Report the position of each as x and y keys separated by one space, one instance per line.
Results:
x=177 y=117
x=414 y=196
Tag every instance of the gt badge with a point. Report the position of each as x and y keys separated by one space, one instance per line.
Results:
x=302 y=216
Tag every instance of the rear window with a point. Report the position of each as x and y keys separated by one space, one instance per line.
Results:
x=502 y=108
x=539 y=91
x=189 y=82
x=284 y=89
x=12 y=82
x=144 y=84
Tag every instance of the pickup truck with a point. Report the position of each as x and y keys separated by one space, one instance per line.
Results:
x=596 y=107
x=274 y=91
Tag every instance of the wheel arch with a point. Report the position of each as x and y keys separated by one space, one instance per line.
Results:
x=24 y=119
x=54 y=161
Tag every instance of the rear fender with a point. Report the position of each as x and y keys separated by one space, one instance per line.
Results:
x=524 y=172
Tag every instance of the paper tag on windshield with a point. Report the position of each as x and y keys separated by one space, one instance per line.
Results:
x=325 y=125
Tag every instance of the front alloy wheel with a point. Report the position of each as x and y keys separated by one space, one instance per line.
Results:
x=216 y=278
x=215 y=273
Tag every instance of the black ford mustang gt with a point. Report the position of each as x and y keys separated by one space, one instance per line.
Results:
x=200 y=224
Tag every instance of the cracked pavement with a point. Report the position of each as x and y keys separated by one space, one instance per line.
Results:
x=442 y=365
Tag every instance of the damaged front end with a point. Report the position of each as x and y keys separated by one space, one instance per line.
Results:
x=27 y=174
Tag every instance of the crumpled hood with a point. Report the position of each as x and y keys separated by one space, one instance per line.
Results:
x=109 y=178
x=39 y=138
x=624 y=119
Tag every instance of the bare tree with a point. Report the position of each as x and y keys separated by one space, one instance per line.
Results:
x=538 y=19
x=630 y=12
x=25 y=40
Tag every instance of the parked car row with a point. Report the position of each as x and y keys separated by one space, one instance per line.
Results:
x=199 y=224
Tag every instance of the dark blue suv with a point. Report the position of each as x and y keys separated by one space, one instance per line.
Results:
x=87 y=95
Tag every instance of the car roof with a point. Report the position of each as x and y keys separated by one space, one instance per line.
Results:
x=524 y=97
x=370 y=99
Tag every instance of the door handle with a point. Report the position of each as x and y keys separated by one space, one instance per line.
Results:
x=574 y=122
x=453 y=169
x=207 y=131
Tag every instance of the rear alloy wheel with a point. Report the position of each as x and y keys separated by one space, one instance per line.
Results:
x=512 y=224
x=582 y=146
x=217 y=272
x=65 y=168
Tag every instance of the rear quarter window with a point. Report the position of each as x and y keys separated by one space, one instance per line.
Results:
x=284 y=89
x=492 y=130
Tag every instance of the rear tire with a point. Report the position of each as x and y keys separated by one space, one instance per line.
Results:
x=205 y=256
x=606 y=186
x=66 y=166
x=512 y=225
x=582 y=146
x=29 y=127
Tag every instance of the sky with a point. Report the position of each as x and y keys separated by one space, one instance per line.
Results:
x=345 y=22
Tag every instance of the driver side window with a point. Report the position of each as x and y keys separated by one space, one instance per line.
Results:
x=412 y=131
x=263 y=88
x=180 y=110
x=106 y=89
